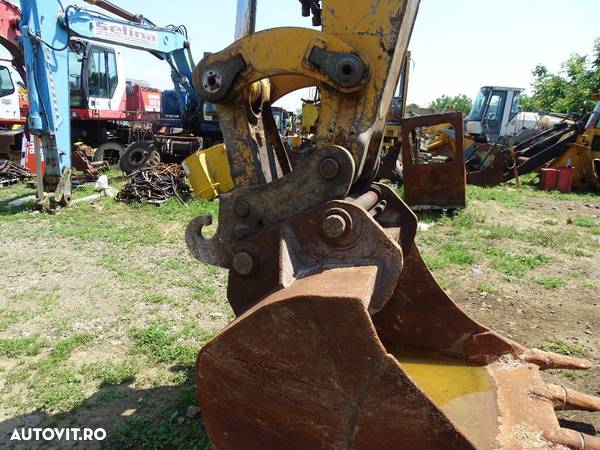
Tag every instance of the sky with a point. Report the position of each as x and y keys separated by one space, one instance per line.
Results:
x=457 y=45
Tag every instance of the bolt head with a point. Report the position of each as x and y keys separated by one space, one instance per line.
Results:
x=329 y=168
x=212 y=80
x=243 y=263
x=242 y=208
x=334 y=226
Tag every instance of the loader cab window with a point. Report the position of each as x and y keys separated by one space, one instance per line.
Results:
x=102 y=72
x=515 y=107
x=495 y=109
x=479 y=105
x=6 y=83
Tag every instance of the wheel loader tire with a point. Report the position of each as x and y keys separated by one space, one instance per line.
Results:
x=110 y=152
x=139 y=155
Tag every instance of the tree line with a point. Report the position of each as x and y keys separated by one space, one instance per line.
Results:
x=567 y=91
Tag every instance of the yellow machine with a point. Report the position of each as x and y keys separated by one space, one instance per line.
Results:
x=584 y=155
x=342 y=338
x=310 y=115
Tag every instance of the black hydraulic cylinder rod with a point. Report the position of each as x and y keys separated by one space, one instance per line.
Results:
x=116 y=10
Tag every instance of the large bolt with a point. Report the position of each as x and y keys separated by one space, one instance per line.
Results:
x=329 y=168
x=242 y=208
x=212 y=80
x=243 y=263
x=334 y=226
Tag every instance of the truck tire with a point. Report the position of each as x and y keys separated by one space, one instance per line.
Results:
x=110 y=152
x=138 y=155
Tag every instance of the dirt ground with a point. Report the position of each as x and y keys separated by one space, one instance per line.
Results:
x=102 y=309
x=532 y=314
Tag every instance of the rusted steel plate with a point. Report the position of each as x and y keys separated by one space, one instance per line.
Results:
x=434 y=185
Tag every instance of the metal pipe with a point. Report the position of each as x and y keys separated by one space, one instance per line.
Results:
x=368 y=200
x=38 y=168
x=116 y=10
x=245 y=23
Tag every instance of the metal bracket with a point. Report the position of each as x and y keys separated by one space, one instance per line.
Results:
x=325 y=175
x=345 y=69
x=217 y=79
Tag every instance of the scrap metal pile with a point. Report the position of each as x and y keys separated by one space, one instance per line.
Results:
x=155 y=185
x=12 y=173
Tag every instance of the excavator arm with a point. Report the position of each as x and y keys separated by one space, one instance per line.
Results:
x=342 y=337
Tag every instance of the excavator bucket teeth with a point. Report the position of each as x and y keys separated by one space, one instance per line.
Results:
x=319 y=362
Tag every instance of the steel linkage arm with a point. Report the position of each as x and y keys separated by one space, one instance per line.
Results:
x=355 y=61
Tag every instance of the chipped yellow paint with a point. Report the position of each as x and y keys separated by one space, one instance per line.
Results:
x=442 y=378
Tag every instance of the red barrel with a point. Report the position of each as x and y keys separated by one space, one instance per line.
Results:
x=565 y=179
x=549 y=179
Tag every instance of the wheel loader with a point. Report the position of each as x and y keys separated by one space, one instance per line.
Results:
x=342 y=337
x=584 y=154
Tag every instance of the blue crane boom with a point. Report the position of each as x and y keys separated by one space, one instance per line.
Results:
x=47 y=29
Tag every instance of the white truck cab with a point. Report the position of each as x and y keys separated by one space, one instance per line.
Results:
x=9 y=93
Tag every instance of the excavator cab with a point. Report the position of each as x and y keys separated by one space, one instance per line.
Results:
x=342 y=337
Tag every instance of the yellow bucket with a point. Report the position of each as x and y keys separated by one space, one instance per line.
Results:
x=208 y=172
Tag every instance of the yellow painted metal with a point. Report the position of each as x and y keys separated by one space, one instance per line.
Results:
x=281 y=52
x=310 y=114
x=350 y=117
x=208 y=172
x=581 y=157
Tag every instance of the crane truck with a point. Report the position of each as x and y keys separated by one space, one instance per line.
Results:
x=73 y=50
x=105 y=122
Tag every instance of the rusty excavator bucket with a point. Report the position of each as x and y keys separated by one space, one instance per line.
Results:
x=342 y=338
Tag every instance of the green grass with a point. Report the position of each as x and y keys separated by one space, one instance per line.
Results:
x=584 y=221
x=205 y=292
x=63 y=349
x=52 y=383
x=10 y=316
x=589 y=223
x=143 y=433
x=156 y=297
x=509 y=198
x=489 y=288
x=23 y=346
x=161 y=345
x=162 y=293
x=112 y=372
x=514 y=264
x=562 y=347
x=550 y=281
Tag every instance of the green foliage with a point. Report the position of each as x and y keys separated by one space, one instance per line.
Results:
x=550 y=281
x=562 y=347
x=513 y=264
x=161 y=345
x=570 y=89
x=489 y=288
x=22 y=346
x=112 y=372
x=459 y=102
